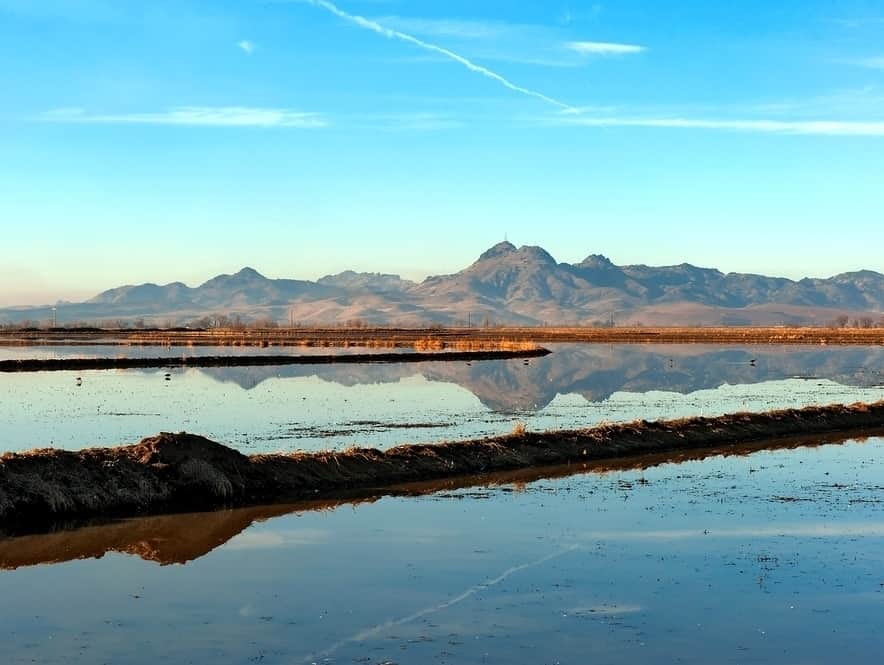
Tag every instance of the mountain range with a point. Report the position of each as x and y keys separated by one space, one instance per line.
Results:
x=505 y=285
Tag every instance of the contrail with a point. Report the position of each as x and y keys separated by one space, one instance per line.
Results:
x=368 y=24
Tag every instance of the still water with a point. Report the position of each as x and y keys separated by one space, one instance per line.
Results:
x=269 y=409
x=771 y=557
x=61 y=351
x=768 y=556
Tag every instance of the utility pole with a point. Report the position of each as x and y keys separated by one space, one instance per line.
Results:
x=54 y=317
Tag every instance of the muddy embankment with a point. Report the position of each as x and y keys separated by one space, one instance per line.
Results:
x=180 y=472
x=183 y=537
x=58 y=364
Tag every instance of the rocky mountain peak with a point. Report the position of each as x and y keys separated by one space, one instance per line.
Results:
x=596 y=262
x=537 y=254
x=500 y=249
x=248 y=273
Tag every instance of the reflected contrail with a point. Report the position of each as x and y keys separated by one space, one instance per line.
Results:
x=381 y=627
x=368 y=24
x=812 y=530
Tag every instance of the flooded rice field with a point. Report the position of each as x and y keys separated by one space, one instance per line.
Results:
x=62 y=351
x=771 y=557
x=286 y=408
x=767 y=556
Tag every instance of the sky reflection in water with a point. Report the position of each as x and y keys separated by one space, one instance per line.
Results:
x=261 y=409
x=767 y=558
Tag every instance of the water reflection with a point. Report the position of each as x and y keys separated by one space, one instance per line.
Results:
x=596 y=371
x=164 y=539
x=181 y=538
x=269 y=409
x=769 y=557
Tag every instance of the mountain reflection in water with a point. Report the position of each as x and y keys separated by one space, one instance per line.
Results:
x=598 y=371
x=288 y=408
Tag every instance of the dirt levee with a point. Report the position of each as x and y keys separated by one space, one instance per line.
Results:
x=176 y=472
x=182 y=537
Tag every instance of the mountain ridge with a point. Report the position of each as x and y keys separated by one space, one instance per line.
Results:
x=506 y=284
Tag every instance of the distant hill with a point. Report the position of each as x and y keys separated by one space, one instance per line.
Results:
x=373 y=282
x=506 y=284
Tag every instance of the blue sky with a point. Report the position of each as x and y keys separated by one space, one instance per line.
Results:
x=175 y=139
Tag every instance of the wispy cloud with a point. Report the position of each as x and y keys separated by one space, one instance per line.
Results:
x=247 y=46
x=456 y=28
x=524 y=43
x=389 y=33
x=874 y=62
x=197 y=116
x=806 y=127
x=604 y=48
x=846 y=104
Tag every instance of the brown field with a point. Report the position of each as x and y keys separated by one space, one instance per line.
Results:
x=465 y=339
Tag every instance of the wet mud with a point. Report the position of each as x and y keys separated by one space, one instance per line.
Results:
x=183 y=472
